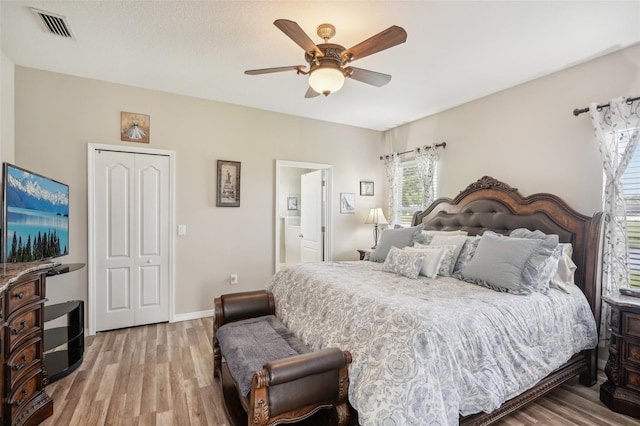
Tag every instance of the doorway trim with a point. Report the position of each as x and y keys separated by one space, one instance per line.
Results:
x=327 y=249
x=92 y=149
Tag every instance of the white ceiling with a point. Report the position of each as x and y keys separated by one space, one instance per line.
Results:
x=456 y=51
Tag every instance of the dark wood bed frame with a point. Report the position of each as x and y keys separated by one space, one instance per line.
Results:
x=489 y=204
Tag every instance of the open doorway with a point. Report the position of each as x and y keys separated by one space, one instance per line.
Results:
x=290 y=241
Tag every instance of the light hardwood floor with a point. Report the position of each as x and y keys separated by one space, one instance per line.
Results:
x=163 y=375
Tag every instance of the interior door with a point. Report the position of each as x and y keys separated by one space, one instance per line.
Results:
x=132 y=235
x=311 y=226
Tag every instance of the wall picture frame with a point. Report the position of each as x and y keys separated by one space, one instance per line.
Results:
x=366 y=188
x=292 y=203
x=134 y=127
x=228 y=185
x=347 y=203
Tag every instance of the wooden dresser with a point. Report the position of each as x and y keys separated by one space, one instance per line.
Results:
x=621 y=392
x=22 y=373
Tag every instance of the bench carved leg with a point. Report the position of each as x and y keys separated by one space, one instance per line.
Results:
x=259 y=415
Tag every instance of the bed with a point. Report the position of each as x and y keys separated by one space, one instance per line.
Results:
x=443 y=350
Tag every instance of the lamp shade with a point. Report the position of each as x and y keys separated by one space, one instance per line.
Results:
x=376 y=217
x=326 y=79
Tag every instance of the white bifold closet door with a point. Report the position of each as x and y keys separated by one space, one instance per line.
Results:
x=131 y=239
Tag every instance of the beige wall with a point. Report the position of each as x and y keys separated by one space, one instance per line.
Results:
x=7 y=126
x=58 y=115
x=527 y=136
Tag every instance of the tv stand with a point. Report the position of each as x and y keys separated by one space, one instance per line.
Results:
x=59 y=361
x=63 y=268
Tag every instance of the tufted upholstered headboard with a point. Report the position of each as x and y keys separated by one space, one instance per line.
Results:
x=489 y=204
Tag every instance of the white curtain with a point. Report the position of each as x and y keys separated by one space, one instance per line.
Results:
x=392 y=168
x=426 y=161
x=616 y=129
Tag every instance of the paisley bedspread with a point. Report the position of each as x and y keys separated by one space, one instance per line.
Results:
x=427 y=350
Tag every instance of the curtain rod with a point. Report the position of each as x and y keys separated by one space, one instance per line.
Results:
x=438 y=145
x=629 y=101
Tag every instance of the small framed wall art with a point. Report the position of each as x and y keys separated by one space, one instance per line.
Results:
x=292 y=203
x=228 y=188
x=366 y=187
x=134 y=127
x=347 y=202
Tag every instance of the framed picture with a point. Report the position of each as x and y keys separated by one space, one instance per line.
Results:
x=134 y=127
x=347 y=202
x=366 y=187
x=228 y=189
x=292 y=203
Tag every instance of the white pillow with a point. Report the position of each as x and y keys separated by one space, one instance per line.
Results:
x=564 y=276
x=449 y=240
x=432 y=260
x=448 y=260
x=433 y=232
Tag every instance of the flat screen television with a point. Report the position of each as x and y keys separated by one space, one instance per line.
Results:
x=35 y=223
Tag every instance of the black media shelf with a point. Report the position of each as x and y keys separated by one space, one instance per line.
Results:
x=59 y=363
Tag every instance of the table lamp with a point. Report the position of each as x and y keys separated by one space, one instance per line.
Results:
x=376 y=217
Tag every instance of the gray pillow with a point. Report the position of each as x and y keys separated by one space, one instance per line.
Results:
x=399 y=238
x=499 y=262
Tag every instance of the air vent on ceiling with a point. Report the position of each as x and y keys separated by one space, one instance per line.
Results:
x=53 y=24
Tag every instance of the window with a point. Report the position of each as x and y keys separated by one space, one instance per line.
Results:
x=631 y=190
x=410 y=192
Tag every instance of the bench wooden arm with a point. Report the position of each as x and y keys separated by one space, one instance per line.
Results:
x=298 y=386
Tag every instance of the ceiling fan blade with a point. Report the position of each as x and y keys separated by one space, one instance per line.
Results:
x=270 y=70
x=390 y=37
x=370 y=77
x=295 y=33
x=311 y=93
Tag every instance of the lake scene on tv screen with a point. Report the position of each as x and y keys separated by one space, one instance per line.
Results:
x=37 y=217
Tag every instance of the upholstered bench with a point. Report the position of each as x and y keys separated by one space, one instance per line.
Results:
x=270 y=373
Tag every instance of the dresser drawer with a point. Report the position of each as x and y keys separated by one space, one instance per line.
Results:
x=631 y=353
x=23 y=358
x=24 y=391
x=27 y=291
x=23 y=325
x=631 y=324
x=631 y=378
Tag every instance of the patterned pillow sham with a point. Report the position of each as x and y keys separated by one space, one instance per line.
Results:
x=467 y=252
x=403 y=262
x=449 y=240
x=431 y=262
x=542 y=266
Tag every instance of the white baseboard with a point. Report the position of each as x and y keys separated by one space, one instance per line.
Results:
x=193 y=315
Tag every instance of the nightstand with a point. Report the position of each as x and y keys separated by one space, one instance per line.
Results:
x=363 y=252
x=621 y=393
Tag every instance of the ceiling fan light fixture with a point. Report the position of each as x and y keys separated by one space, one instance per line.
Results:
x=326 y=79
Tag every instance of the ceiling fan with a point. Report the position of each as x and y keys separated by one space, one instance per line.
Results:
x=328 y=62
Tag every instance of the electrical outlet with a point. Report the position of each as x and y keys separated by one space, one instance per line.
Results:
x=182 y=229
x=234 y=279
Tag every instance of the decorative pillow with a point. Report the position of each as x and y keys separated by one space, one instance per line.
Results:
x=449 y=240
x=428 y=235
x=564 y=276
x=542 y=266
x=449 y=233
x=399 y=238
x=403 y=262
x=431 y=262
x=499 y=263
x=448 y=259
x=466 y=254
